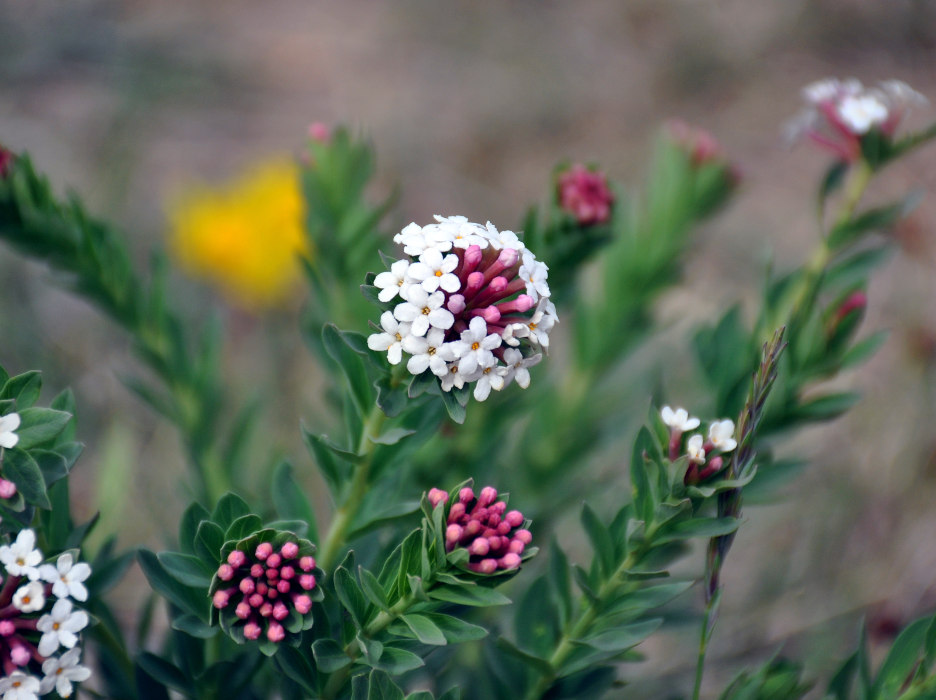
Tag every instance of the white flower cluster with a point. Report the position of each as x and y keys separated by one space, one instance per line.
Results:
x=720 y=436
x=471 y=305
x=851 y=109
x=28 y=644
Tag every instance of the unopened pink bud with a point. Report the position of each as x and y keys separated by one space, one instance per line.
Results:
x=7 y=489
x=437 y=496
x=488 y=495
x=283 y=586
x=264 y=549
x=509 y=561
x=514 y=518
x=7 y=628
x=287 y=572
x=489 y=313
x=256 y=600
x=262 y=588
x=473 y=255
x=494 y=542
x=6 y=161
x=307 y=563
x=320 y=132
x=455 y=304
x=237 y=558
x=247 y=586
x=273 y=561
x=272 y=574
x=456 y=512
x=289 y=550
x=472 y=529
x=473 y=284
x=302 y=603
x=486 y=566
x=19 y=655
x=272 y=593
x=225 y=572
x=521 y=304
x=280 y=611
x=524 y=536
x=265 y=610
x=503 y=528
x=516 y=546
x=508 y=257
x=307 y=582
x=453 y=533
x=466 y=495
x=275 y=632
x=242 y=610
x=256 y=570
x=221 y=599
x=252 y=630
x=497 y=285
x=498 y=508
x=479 y=547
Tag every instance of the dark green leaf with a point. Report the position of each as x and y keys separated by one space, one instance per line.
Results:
x=826 y=407
x=23 y=388
x=377 y=686
x=392 y=436
x=351 y=365
x=188 y=526
x=600 y=539
x=397 y=661
x=902 y=658
x=469 y=595
x=334 y=472
x=294 y=664
x=624 y=637
x=424 y=629
x=455 y=629
x=560 y=581
x=289 y=500
x=329 y=656
x=191 y=600
x=455 y=409
x=350 y=595
x=372 y=589
x=39 y=425
x=243 y=526
x=186 y=568
x=540 y=665
x=864 y=349
x=20 y=468
x=699 y=527
x=209 y=538
x=865 y=223
x=167 y=674
x=193 y=626
x=229 y=508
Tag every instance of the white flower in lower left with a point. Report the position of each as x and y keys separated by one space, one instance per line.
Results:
x=19 y=686
x=60 y=627
x=60 y=672
x=391 y=339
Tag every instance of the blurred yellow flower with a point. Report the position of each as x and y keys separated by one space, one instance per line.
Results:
x=244 y=237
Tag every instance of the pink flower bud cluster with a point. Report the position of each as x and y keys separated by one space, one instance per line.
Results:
x=839 y=113
x=470 y=305
x=6 y=161
x=263 y=587
x=494 y=537
x=585 y=194
x=699 y=144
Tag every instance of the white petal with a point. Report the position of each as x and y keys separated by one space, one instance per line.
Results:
x=441 y=318
x=394 y=354
x=418 y=364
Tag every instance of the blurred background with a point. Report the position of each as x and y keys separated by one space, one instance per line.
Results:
x=470 y=105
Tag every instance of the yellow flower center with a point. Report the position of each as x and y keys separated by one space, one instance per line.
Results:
x=26 y=600
x=432 y=351
x=55 y=625
x=398 y=337
x=438 y=273
x=475 y=346
x=426 y=310
x=532 y=326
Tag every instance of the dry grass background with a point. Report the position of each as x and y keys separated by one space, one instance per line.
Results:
x=470 y=105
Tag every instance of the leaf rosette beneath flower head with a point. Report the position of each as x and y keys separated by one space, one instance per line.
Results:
x=265 y=587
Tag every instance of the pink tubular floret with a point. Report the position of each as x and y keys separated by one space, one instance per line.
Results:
x=225 y=572
x=302 y=603
x=275 y=632
x=252 y=630
x=264 y=549
x=437 y=496
x=237 y=558
x=289 y=550
x=307 y=564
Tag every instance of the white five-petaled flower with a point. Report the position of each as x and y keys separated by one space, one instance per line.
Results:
x=537 y=329
x=489 y=378
x=862 y=112
x=679 y=420
x=474 y=348
x=29 y=598
x=416 y=239
x=434 y=271
x=21 y=558
x=8 y=425
x=19 y=686
x=695 y=449
x=391 y=339
x=427 y=353
x=392 y=282
x=517 y=368
x=424 y=310
x=60 y=627
x=534 y=274
x=66 y=577
x=721 y=434
x=61 y=671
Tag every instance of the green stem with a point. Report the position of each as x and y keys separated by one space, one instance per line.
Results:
x=923 y=689
x=703 y=646
x=338 y=530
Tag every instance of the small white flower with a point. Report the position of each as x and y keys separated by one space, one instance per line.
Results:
x=417 y=239
x=453 y=378
x=539 y=325
x=60 y=672
x=474 y=348
x=21 y=558
x=831 y=89
x=695 y=449
x=462 y=232
x=534 y=273
x=391 y=281
x=902 y=94
x=503 y=239
x=29 y=598
x=424 y=310
x=426 y=353
x=60 y=627
x=66 y=577
x=679 y=419
x=19 y=686
x=8 y=425
x=517 y=367
x=434 y=271
x=862 y=112
x=391 y=339
x=721 y=434
x=489 y=379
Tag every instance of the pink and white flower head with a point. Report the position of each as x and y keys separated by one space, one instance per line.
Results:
x=467 y=294
x=264 y=589
x=840 y=113
x=494 y=537
x=39 y=626
x=585 y=194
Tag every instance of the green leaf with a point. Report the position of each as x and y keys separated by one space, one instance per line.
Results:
x=350 y=595
x=209 y=539
x=334 y=472
x=826 y=407
x=425 y=629
x=864 y=349
x=392 y=436
x=39 y=425
x=455 y=409
x=699 y=527
x=186 y=568
x=243 y=527
x=902 y=658
x=23 y=389
x=188 y=526
x=191 y=600
x=372 y=589
x=832 y=181
x=560 y=581
x=329 y=656
x=648 y=598
x=193 y=626
x=600 y=539
x=20 y=468
x=377 y=686
x=622 y=638
x=455 y=629
x=289 y=500
x=296 y=667
x=229 y=508
x=469 y=595
x=538 y=664
x=351 y=365
x=644 y=496
x=397 y=661
x=867 y=222
x=53 y=466
x=166 y=673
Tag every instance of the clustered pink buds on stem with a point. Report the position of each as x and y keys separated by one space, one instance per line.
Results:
x=840 y=113
x=6 y=161
x=493 y=536
x=259 y=587
x=471 y=305
x=698 y=143
x=585 y=194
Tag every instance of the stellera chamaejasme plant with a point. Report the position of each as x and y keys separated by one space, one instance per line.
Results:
x=419 y=582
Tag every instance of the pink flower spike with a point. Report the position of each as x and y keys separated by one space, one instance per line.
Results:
x=302 y=603
x=290 y=550
x=437 y=496
x=237 y=558
x=273 y=561
x=307 y=563
x=242 y=610
x=509 y=561
x=280 y=611
x=287 y=572
x=7 y=489
x=225 y=572
x=275 y=632
x=252 y=630
x=307 y=582
x=521 y=304
x=264 y=549
x=514 y=518
x=524 y=536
